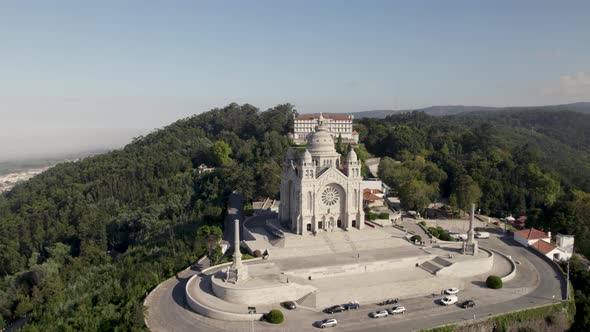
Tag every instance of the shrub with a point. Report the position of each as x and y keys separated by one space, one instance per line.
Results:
x=416 y=238
x=248 y=210
x=275 y=316
x=371 y=216
x=257 y=253
x=494 y=282
x=433 y=231
x=444 y=235
x=423 y=223
x=216 y=255
x=247 y=256
x=383 y=215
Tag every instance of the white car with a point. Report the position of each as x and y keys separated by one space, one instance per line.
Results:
x=328 y=322
x=449 y=299
x=482 y=235
x=397 y=310
x=379 y=314
x=458 y=237
x=452 y=291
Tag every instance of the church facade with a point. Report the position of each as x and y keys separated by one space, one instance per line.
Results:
x=318 y=191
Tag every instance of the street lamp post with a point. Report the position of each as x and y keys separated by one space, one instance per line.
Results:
x=567 y=286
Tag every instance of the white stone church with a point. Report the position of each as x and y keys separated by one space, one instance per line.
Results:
x=318 y=192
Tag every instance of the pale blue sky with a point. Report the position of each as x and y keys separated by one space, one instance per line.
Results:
x=121 y=67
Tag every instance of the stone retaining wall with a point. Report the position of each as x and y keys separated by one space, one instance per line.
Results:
x=342 y=270
x=469 y=268
x=272 y=293
x=512 y=273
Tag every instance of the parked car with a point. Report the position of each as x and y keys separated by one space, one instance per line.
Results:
x=334 y=309
x=452 y=291
x=328 y=322
x=352 y=305
x=468 y=304
x=388 y=301
x=379 y=314
x=397 y=310
x=458 y=237
x=449 y=299
x=289 y=305
x=482 y=235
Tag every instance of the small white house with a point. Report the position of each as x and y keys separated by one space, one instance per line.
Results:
x=526 y=237
x=563 y=249
x=550 y=250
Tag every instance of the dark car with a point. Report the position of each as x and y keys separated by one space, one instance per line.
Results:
x=289 y=305
x=334 y=309
x=468 y=304
x=389 y=301
x=352 y=305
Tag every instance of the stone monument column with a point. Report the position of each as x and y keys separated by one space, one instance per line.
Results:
x=237 y=271
x=470 y=247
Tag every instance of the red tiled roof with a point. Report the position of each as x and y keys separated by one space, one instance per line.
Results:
x=354 y=132
x=370 y=197
x=372 y=191
x=543 y=246
x=532 y=234
x=369 y=194
x=327 y=116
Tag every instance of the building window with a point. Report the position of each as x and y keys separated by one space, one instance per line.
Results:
x=330 y=196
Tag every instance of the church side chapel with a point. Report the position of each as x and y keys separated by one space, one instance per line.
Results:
x=318 y=191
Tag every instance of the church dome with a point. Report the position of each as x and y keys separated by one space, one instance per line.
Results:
x=306 y=156
x=320 y=141
x=352 y=157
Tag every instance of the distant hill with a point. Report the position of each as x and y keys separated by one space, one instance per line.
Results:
x=581 y=107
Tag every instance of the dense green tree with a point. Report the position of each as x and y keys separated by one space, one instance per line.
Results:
x=340 y=145
x=221 y=151
x=210 y=236
x=465 y=193
x=417 y=195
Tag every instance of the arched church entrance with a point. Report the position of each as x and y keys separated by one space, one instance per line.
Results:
x=332 y=203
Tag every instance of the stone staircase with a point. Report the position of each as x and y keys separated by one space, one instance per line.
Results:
x=436 y=264
x=430 y=267
x=351 y=243
x=328 y=242
x=441 y=261
x=307 y=300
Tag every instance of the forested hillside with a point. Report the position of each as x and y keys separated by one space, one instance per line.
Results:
x=534 y=163
x=81 y=244
x=515 y=163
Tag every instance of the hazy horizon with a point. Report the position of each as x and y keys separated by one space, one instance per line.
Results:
x=79 y=76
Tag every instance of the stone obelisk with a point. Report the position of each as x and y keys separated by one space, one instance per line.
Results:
x=237 y=271
x=470 y=247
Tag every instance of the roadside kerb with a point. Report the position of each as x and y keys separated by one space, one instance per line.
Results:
x=512 y=273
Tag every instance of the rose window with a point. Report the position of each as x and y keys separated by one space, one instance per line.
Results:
x=330 y=196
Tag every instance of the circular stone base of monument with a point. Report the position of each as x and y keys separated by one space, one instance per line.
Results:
x=257 y=290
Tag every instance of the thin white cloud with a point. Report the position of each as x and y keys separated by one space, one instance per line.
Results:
x=576 y=85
